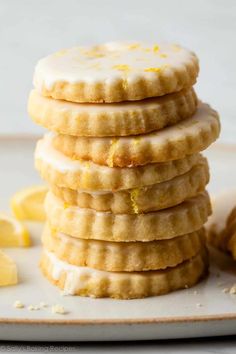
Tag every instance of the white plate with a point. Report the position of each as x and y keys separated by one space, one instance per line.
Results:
x=171 y=316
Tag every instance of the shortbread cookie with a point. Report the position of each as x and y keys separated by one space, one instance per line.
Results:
x=116 y=71
x=229 y=233
x=225 y=240
x=222 y=205
x=134 y=201
x=184 y=138
x=84 y=223
x=123 y=256
x=58 y=169
x=85 y=281
x=117 y=119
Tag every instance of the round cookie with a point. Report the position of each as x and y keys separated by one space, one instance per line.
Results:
x=218 y=230
x=116 y=256
x=85 y=281
x=184 y=138
x=83 y=223
x=114 y=119
x=115 y=72
x=63 y=171
x=230 y=233
x=144 y=199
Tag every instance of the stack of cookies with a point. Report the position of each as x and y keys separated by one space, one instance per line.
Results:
x=127 y=200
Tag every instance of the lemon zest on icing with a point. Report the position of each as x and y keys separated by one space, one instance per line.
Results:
x=163 y=55
x=125 y=84
x=134 y=193
x=136 y=141
x=93 y=53
x=111 y=152
x=87 y=165
x=96 y=55
x=153 y=70
x=134 y=46
x=86 y=175
x=53 y=230
x=121 y=67
x=156 y=48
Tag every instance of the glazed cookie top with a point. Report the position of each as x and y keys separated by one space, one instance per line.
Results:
x=115 y=71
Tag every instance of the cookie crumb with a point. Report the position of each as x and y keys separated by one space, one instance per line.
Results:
x=33 y=307
x=18 y=304
x=199 y=305
x=195 y=292
x=225 y=290
x=42 y=304
x=58 y=309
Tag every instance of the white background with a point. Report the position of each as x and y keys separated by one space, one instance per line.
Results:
x=32 y=29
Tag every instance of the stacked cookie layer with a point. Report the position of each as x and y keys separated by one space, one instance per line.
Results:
x=127 y=200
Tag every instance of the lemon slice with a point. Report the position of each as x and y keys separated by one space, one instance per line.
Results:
x=27 y=204
x=12 y=232
x=8 y=270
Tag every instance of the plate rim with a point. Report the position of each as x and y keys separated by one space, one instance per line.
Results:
x=115 y=321
x=119 y=321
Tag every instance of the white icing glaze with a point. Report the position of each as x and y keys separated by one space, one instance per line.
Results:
x=202 y=119
x=57 y=202
x=46 y=152
x=49 y=155
x=109 y=62
x=77 y=277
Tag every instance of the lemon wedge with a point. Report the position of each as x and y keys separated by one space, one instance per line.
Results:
x=27 y=204
x=8 y=270
x=12 y=232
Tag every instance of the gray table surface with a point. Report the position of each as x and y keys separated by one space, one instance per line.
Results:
x=226 y=345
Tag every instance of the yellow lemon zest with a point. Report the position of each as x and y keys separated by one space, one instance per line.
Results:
x=154 y=70
x=121 y=67
x=87 y=165
x=136 y=141
x=133 y=196
x=111 y=152
x=53 y=231
x=134 y=46
x=125 y=84
x=86 y=175
x=163 y=55
x=156 y=48
x=93 y=53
